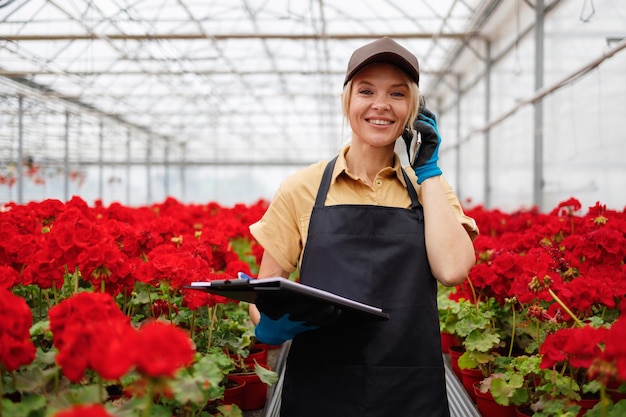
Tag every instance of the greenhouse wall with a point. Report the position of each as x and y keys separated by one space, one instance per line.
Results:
x=487 y=110
x=583 y=119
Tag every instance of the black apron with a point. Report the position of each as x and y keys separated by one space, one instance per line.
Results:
x=375 y=255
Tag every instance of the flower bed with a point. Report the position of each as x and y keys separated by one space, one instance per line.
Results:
x=540 y=314
x=101 y=325
x=99 y=321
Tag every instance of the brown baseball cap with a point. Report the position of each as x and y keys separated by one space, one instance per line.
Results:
x=383 y=50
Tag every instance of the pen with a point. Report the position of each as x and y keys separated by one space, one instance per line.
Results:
x=242 y=275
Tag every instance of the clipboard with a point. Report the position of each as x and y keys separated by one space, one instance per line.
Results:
x=244 y=289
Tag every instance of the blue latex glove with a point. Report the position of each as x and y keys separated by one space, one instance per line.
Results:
x=276 y=332
x=425 y=165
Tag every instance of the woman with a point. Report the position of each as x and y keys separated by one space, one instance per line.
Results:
x=363 y=227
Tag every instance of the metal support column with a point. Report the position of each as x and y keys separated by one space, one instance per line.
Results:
x=149 y=171
x=166 y=168
x=538 y=181
x=100 y=161
x=66 y=158
x=128 y=161
x=459 y=95
x=487 y=166
x=183 y=171
x=20 y=149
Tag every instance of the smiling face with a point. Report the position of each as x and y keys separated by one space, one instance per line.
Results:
x=378 y=105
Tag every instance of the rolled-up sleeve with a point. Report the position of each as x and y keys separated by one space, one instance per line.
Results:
x=278 y=232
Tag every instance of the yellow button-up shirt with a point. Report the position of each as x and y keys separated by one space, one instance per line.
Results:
x=282 y=231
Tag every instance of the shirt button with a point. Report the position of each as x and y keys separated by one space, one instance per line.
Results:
x=379 y=182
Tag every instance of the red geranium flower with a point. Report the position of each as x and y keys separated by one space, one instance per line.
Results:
x=16 y=347
x=162 y=349
x=8 y=277
x=615 y=350
x=95 y=410
x=579 y=346
x=90 y=331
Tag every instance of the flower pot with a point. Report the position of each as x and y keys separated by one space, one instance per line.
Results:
x=586 y=405
x=469 y=377
x=448 y=340
x=234 y=391
x=523 y=411
x=612 y=389
x=488 y=407
x=455 y=353
x=254 y=392
x=268 y=347
x=258 y=354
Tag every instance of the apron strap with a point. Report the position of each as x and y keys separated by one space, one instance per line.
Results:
x=412 y=193
x=320 y=199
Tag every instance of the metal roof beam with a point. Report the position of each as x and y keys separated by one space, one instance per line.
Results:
x=232 y=36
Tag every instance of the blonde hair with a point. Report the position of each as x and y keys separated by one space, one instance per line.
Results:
x=413 y=106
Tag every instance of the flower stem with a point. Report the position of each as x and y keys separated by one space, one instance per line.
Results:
x=192 y=324
x=538 y=335
x=54 y=293
x=100 y=389
x=150 y=310
x=148 y=400
x=169 y=304
x=469 y=281
x=212 y=314
x=40 y=302
x=567 y=310
x=125 y=301
x=603 y=400
x=512 y=330
x=1 y=372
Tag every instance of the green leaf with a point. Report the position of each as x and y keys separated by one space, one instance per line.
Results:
x=230 y=410
x=29 y=404
x=558 y=408
x=41 y=328
x=89 y=394
x=34 y=379
x=481 y=358
x=527 y=364
x=141 y=297
x=158 y=410
x=618 y=409
x=466 y=361
x=200 y=383
x=266 y=375
x=86 y=394
x=560 y=385
x=482 y=341
x=501 y=391
x=592 y=387
x=129 y=408
x=509 y=392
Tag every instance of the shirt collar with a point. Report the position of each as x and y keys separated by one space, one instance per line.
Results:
x=341 y=167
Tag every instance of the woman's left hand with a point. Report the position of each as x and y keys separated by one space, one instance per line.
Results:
x=425 y=165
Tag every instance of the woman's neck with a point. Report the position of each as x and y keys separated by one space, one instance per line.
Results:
x=365 y=162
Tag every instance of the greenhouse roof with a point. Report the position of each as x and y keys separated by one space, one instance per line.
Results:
x=218 y=81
